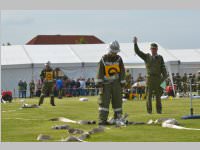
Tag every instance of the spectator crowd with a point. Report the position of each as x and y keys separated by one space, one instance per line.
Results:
x=86 y=87
x=62 y=87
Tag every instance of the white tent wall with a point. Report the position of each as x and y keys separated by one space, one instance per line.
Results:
x=189 y=60
x=11 y=76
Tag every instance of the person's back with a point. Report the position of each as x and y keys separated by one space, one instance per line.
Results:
x=20 y=84
x=82 y=84
x=73 y=84
x=77 y=84
x=88 y=83
x=59 y=83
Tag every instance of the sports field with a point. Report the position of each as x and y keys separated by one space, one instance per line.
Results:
x=24 y=125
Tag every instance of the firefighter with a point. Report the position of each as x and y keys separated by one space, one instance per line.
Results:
x=47 y=78
x=110 y=80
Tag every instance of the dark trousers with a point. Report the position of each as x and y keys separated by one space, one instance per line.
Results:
x=111 y=92
x=23 y=94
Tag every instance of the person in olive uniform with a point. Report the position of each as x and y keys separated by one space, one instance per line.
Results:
x=140 y=89
x=185 y=83
x=178 y=82
x=194 y=81
x=156 y=74
x=47 y=78
x=110 y=79
x=128 y=79
x=20 y=88
x=32 y=88
x=168 y=79
x=198 y=82
x=24 y=89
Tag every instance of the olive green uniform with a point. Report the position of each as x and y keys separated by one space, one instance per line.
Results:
x=32 y=89
x=47 y=77
x=194 y=81
x=128 y=80
x=178 y=82
x=198 y=83
x=156 y=74
x=111 y=86
x=185 y=83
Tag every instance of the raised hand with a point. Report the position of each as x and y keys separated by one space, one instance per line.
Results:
x=135 y=40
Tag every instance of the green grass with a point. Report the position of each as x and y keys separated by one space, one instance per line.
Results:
x=17 y=130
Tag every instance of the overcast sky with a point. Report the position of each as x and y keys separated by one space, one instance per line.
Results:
x=174 y=29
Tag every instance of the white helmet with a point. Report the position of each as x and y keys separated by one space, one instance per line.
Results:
x=114 y=47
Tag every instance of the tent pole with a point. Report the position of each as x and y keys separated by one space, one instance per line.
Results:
x=32 y=67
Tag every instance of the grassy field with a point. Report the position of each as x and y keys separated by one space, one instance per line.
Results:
x=35 y=121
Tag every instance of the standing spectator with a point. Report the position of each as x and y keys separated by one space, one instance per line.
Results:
x=178 y=82
x=93 y=87
x=198 y=83
x=20 y=88
x=68 y=87
x=73 y=88
x=168 y=79
x=64 y=88
x=32 y=88
x=184 y=83
x=38 y=88
x=59 y=87
x=140 y=89
x=88 y=87
x=82 y=87
x=77 y=87
x=193 y=81
x=128 y=79
x=24 y=88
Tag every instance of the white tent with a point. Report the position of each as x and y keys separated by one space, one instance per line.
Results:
x=26 y=61
x=189 y=60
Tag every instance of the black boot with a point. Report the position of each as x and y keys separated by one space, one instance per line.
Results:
x=41 y=100
x=52 y=101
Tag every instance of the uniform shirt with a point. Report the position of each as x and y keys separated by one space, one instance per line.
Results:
x=155 y=66
x=108 y=60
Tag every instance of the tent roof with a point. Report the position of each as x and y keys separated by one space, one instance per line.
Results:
x=14 y=55
x=52 y=53
x=186 y=55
